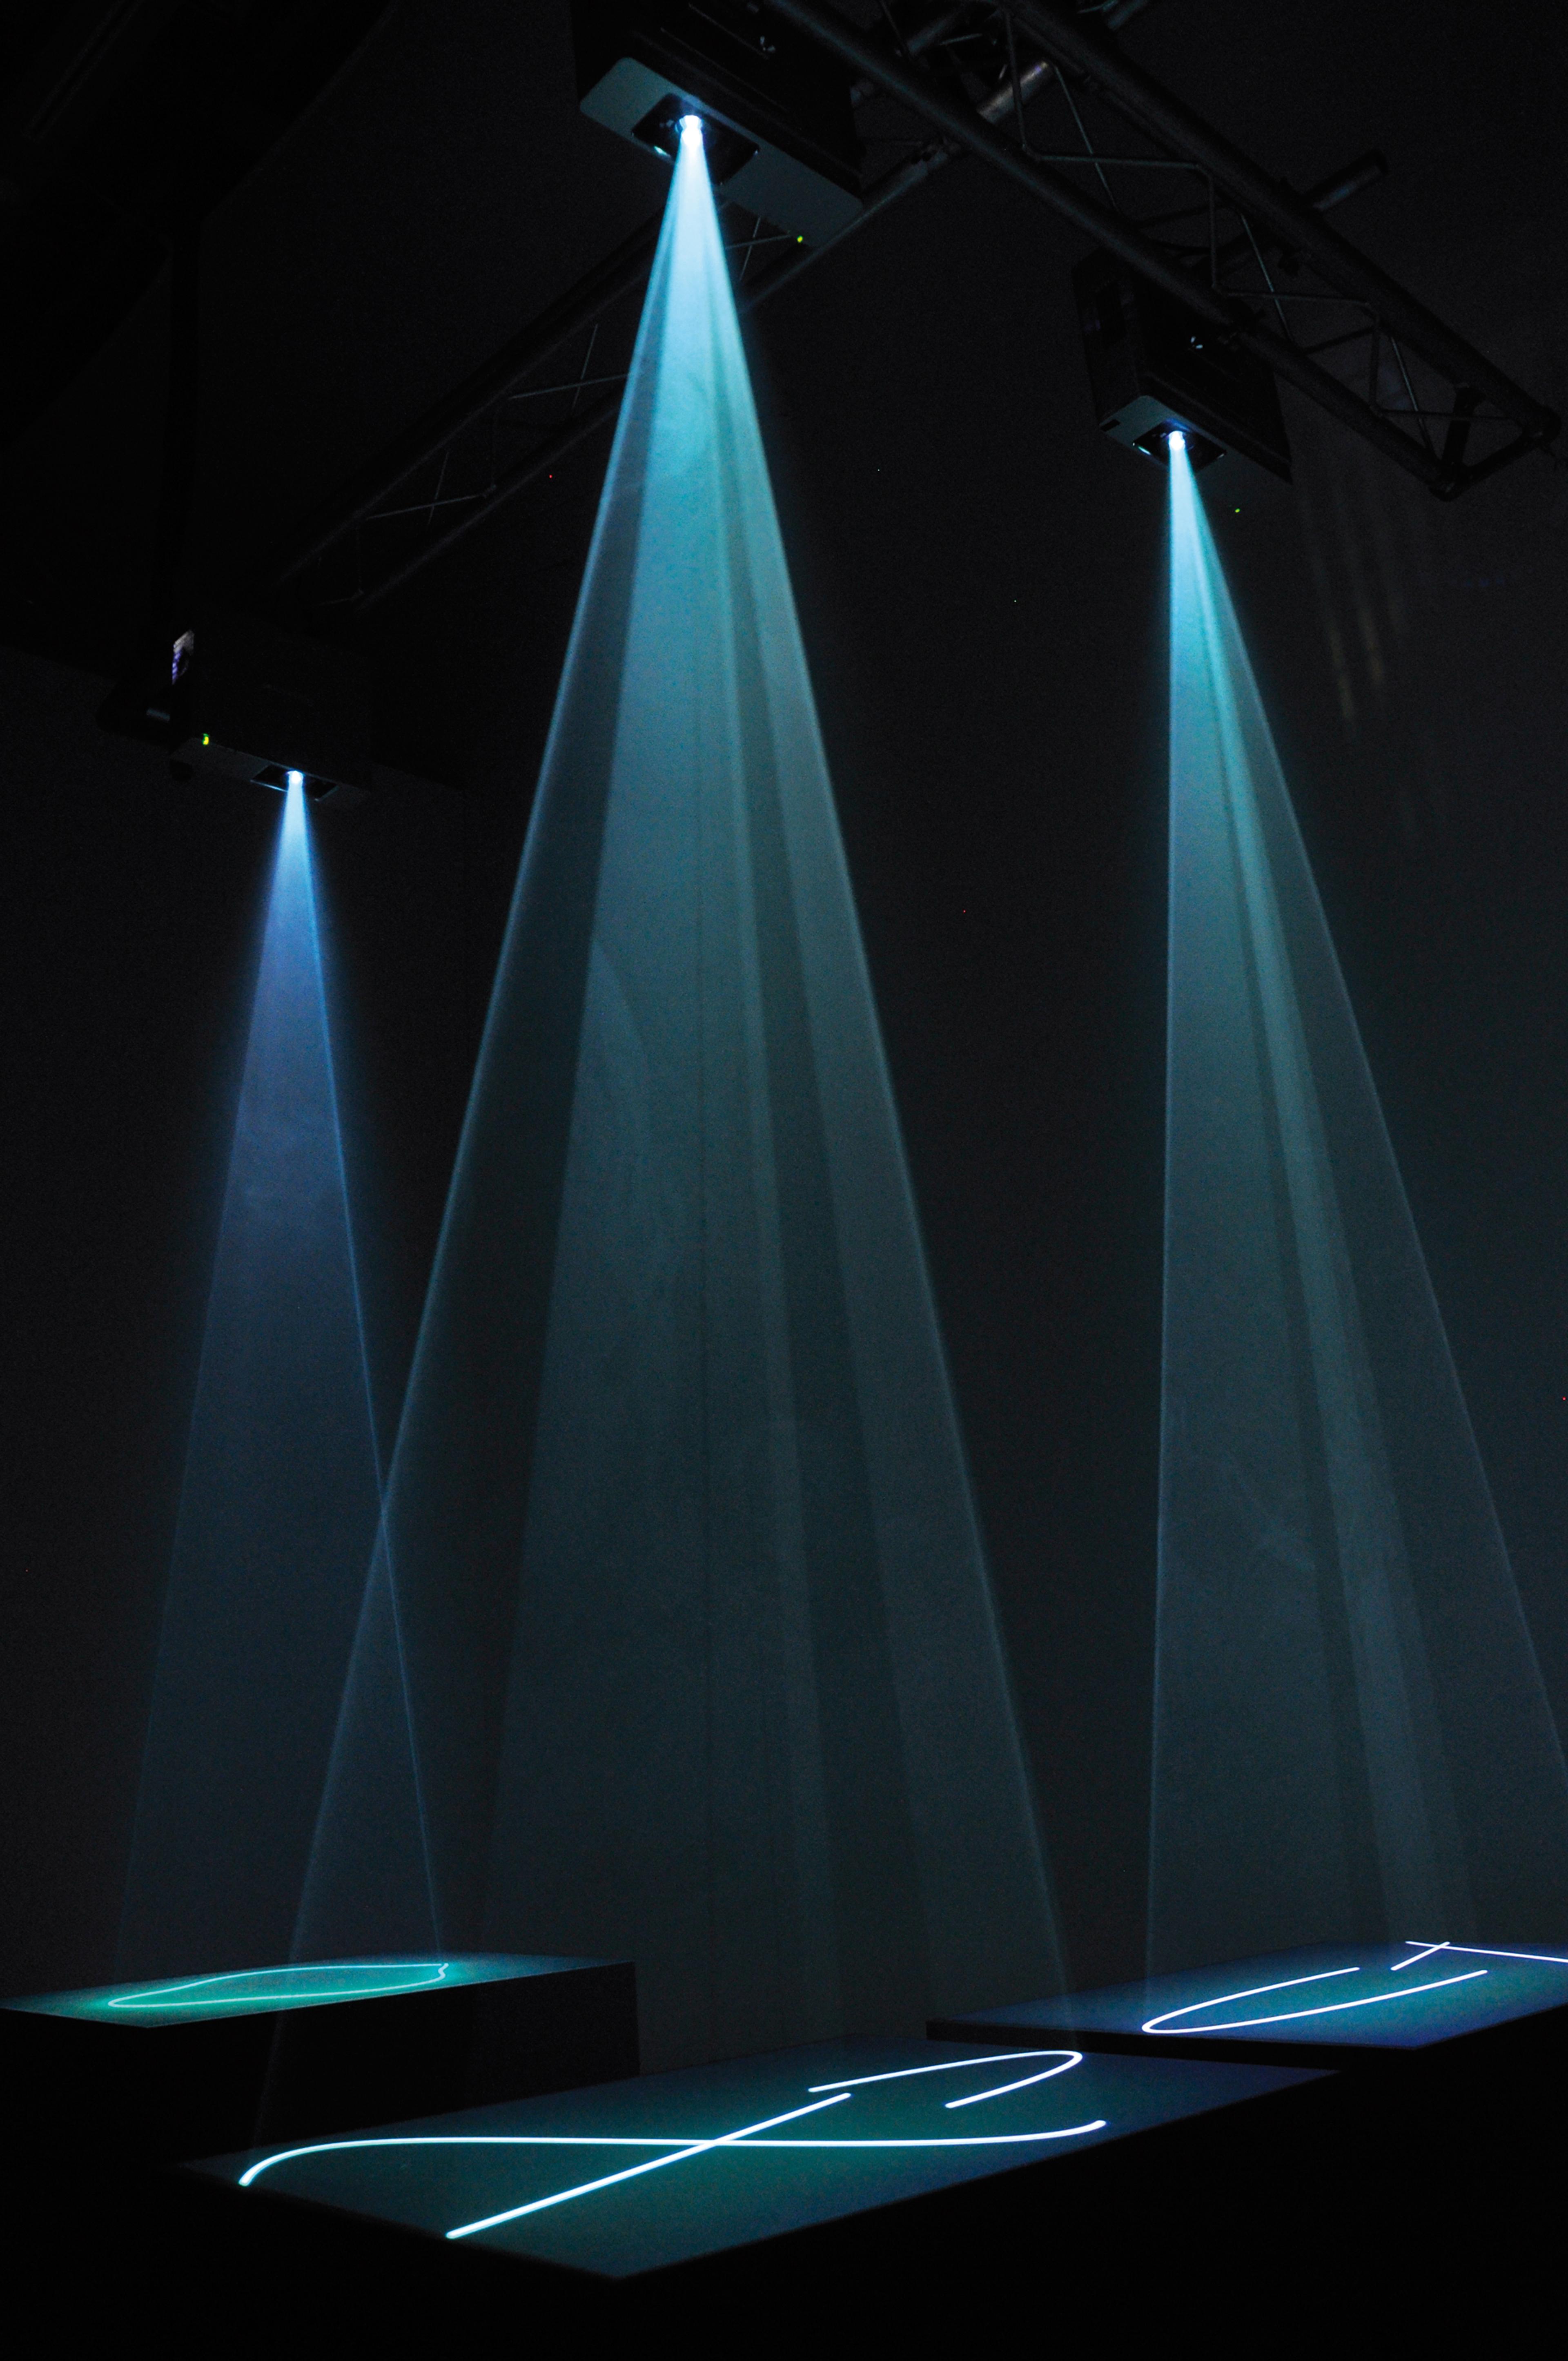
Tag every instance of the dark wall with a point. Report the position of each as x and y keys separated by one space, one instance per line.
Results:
x=981 y=585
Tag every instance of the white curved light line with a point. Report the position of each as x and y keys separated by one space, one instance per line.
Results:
x=1479 y=1951
x=1289 y=2016
x=948 y=2066
x=1070 y=2057
x=1253 y=1992
x=630 y=2172
x=605 y=2139
x=159 y=1996
x=986 y=2139
x=459 y=2139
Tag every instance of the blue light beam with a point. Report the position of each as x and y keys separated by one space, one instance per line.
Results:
x=1350 y=1733
x=705 y=1664
x=279 y=1500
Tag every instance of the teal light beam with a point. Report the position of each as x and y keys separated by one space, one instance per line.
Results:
x=1350 y=1733
x=280 y=1498
x=705 y=1664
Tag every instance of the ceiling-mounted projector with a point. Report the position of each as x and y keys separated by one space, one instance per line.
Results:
x=1155 y=367
x=249 y=702
x=778 y=126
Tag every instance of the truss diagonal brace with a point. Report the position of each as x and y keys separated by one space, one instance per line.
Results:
x=615 y=277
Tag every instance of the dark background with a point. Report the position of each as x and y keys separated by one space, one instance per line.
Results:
x=981 y=584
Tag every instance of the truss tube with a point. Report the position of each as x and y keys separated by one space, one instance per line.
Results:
x=1110 y=230
x=539 y=462
x=1364 y=172
x=1288 y=361
x=1289 y=215
x=615 y=277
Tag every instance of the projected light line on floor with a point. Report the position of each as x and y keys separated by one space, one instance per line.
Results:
x=741 y=2139
x=1480 y=1951
x=218 y=1992
x=1069 y=2059
x=948 y=2066
x=682 y=2156
x=1288 y=2016
x=679 y=2149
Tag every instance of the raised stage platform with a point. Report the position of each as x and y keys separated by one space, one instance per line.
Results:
x=165 y=2071
x=886 y=2165
x=1350 y=2005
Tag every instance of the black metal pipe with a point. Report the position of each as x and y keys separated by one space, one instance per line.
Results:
x=1460 y=479
x=1291 y=217
x=1362 y=172
x=1458 y=435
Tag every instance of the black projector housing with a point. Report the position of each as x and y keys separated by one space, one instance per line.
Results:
x=255 y=703
x=779 y=128
x=1153 y=364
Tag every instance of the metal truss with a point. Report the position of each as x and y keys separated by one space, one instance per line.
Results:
x=1148 y=179
x=557 y=384
x=511 y=425
x=1042 y=94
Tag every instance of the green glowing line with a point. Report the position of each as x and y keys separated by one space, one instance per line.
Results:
x=259 y=1984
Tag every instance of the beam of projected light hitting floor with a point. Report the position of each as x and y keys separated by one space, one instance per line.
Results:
x=1343 y=2003
x=1351 y=1735
x=701 y=1644
x=278 y=1511
x=632 y=2177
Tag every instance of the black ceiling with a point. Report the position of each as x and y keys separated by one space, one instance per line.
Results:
x=388 y=193
x=123 y=123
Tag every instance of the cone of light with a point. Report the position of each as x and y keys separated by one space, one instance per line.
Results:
x=279 y=1502
x=703 y=1656
x=1351 y=1735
